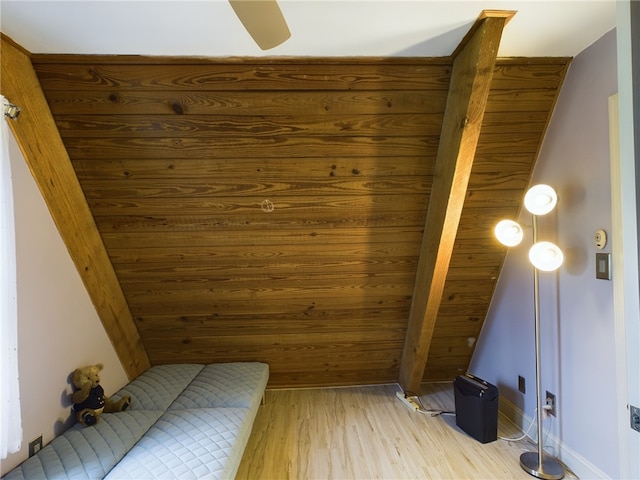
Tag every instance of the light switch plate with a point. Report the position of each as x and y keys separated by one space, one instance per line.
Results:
x=603 y=266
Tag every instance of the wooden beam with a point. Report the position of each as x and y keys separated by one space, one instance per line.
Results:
x=42 y=147
x=473 y=65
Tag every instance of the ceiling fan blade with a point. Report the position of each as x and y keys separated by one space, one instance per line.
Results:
x=263 y=20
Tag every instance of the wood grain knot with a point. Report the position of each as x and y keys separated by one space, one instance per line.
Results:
x=177 y=108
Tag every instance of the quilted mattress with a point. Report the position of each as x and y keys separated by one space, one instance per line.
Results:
x=193 y=444
x=185 y=421
x=88 y=452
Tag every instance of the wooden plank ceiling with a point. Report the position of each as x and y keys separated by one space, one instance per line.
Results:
x=273 y=209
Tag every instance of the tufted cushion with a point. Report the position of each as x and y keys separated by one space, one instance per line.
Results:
x=192 y=439
x=156 y=388
x=239 y=384
x=190 y=444
x=88 y=452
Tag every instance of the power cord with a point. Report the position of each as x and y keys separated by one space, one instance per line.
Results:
x=432 y=412
x=414 y=402
x=525 y=434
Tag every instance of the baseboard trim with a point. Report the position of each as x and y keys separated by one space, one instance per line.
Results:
x=575 y=462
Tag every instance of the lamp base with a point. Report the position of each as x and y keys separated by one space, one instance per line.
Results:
x=551 y=469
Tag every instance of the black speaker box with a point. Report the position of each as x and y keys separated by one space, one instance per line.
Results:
x=476 y=407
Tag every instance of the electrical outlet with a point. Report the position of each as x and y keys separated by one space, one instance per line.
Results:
x=35 y=446
x=550 y=400
x=634 y=417
x=521 y=384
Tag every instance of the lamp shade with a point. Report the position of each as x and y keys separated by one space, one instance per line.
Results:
x=540 y=199
x=546 y=256
x=508 y=233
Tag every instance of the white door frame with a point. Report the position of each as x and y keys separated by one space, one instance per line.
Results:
x=625 y=162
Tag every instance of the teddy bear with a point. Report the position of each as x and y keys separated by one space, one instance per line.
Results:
x=89 y=400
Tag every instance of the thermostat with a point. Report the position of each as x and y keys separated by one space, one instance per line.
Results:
x=600 y=239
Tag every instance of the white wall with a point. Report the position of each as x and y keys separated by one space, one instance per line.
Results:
x=58 y=329
x=578 y=334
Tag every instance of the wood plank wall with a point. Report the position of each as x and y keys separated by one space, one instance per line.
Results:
x=272 y=209
x=520 y=104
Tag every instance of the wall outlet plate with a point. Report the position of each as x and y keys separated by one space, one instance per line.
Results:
x=522 y=388
x=35 y=446
x=550 y=400
x=634 y=417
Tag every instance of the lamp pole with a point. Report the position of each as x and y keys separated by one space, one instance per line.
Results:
x=531 y=462
x=539 y=200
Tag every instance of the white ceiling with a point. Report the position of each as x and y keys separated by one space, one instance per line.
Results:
x=318 y=27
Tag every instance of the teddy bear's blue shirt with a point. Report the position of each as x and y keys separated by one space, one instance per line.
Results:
x=95 y=400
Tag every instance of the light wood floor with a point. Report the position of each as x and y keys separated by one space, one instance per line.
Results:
x=366 y=433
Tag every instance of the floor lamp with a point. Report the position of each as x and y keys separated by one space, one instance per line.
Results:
x=545 y=256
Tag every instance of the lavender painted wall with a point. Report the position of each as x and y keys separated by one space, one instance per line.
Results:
x=577 y=323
